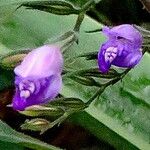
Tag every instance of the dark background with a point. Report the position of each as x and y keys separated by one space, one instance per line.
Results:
x=114 y=12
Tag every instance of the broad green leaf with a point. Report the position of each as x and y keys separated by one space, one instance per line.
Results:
x=101 y=131
x=123 y=108
x=10 y=146
x=9 y=135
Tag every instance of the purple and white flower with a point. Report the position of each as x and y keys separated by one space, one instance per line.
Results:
x=122 y=49
x=38 y=78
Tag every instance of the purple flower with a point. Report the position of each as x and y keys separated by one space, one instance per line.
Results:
x=122 y=49
x=38 y=77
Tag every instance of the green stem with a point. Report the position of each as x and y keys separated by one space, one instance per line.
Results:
x=97 y=93
x=79 y=21
x=102 y=88
x=88 y=5
x=89 y=72
x=68 y=44
x=57 y=121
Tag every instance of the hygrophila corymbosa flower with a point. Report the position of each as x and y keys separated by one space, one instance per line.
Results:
x=122 y=49
x=38 y=77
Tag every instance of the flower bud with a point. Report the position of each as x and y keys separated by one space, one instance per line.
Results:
x=38 y=111
x=35 y=124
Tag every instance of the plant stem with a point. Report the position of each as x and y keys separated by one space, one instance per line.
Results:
x=87 y=6
x=57 y=121
x=102 y=88
x=79 y=21
x=97 y=93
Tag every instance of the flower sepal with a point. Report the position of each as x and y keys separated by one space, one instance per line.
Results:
x=40 y=111
x=36 y=124
x=10 y=60
x=68 y=104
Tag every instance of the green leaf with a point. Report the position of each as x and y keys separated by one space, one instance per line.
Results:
x=76 y=4
x=101 y=131
x=14 y=2
x=10 y=146
x=8 y=135
x=68 y=104
x=59 y=7
x=55 y=7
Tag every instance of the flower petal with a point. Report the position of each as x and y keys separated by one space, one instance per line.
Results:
x=103 y=65
x=126 y=31
x=18 y=103
x=123 y=48
x=47 y=89
x=41 y=62
x=53 y=89
x=129 y=60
